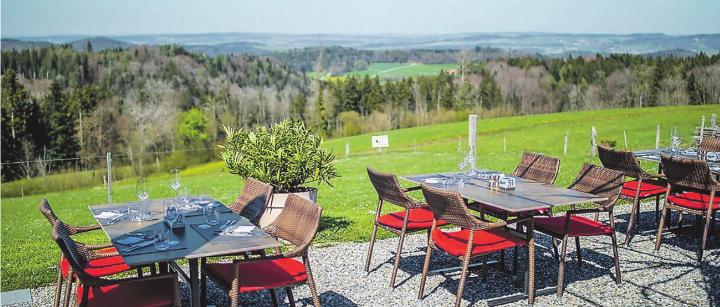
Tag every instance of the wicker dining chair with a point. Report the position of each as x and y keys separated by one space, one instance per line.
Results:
x=253 y=201
x=533 y=166
x=297 y=224
x=92 y=290
x=594 y=180
x=415 y=217
x=691 y=188
x=105 y=262
x=709 y=144
x=642 y=185
x=474 y=239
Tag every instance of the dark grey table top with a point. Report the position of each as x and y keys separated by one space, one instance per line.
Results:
x=653 y=155
x=527 y=196
x=195 y=245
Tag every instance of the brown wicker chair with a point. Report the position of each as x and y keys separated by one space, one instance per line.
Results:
x=253 y=201
x=105 y=262
x=158 y=290
x=709 y=144
x=593 y=180
x=693 y=188
x=415 y=217
x=532 y=166
x=641 y=186
x=475 y=238
x=297 y=224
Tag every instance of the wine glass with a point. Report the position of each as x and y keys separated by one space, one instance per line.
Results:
x=184 y=198
x=172 y=215
x=142 y=192
x=175 y=179
x=675 y=140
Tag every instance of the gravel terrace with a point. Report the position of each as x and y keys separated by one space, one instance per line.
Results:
x=670 y=277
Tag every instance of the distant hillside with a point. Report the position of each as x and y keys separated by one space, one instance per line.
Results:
x=98 y=44
x=14 y=44
x=229 y=48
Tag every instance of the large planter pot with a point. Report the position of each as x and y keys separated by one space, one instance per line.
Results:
x=277 y=204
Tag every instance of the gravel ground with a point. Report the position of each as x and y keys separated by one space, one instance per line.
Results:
x=671 y=276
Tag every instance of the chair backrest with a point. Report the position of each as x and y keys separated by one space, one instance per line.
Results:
x=689 y=173
x=599 y=181
x=47 y=211
x=709 y=144
x=254 y=199
x=450 y=207
x=538 y=167
x=622 y=161
x=388 y=189
x=76 y=255
x=297 y=223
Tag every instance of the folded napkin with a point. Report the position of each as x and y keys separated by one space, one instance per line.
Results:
x=240 y=230
x=434 y=180
x=109 y=215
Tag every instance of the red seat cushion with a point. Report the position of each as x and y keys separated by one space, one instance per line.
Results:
x=580 y=226
x=160 y=292
x=495 y=211
x=484 y=241
x=100 y=267
x=694 y=200
x=646 y=189
x=260 y=275
x=420 y=218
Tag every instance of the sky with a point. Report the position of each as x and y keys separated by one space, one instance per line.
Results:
x=22 y=18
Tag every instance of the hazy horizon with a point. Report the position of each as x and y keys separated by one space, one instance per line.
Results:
x=48 y=18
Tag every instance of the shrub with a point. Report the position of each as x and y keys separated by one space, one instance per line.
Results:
x=287 y=155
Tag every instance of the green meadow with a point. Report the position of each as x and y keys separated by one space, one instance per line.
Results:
x=29 y=256
x=401 y=70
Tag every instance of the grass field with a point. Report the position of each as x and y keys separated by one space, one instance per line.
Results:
x=400 y=70
x=29 y=256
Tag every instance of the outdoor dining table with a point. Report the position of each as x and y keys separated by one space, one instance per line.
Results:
x=653 y=155
x=195 y=244
x=528 y=196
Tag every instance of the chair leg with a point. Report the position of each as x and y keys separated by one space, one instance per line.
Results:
x=555 y=250
x=502 y=260
x=577 y=251
x=68 y=289
x=658 y=240
x=631 y=221
x=273 y=296
x=397 y=259
x=86 y=295
x=657 y=208
x=463 y=277
x=311 y=282
x=426 y=267
x=484 y=268
x=561 y=271
x=291 y=298
x=618 y=278
x=515 y=260
x=708 y=220
x=58 y=288
x=139 y=272
x=153 y=270
x=203 y=281
x=370 y=248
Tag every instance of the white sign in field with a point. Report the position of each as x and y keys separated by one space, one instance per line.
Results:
x=380 y=141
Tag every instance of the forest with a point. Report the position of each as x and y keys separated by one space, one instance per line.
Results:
x=63 y=104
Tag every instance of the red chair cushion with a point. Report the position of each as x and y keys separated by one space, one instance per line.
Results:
x=694 y=200
x=100 y=267
x=495 y=211
x=580 y=226
x=159 y=292
x=260 y=275
x=646 y=189
x=485 y=241
x=420 y=218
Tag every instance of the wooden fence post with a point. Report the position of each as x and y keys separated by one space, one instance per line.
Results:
x=565 y=143
x=657 y=137
x=702 y=129
x=347 y=150
x=109 y=177
x=472 y=138
x=504 y=143
x=713 y=121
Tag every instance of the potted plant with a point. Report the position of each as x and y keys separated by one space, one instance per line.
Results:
x=287 y=155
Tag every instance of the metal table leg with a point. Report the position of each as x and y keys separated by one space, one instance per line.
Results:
x=194 y=283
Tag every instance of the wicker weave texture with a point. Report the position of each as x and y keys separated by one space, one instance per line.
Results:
x=709 y=144
x=450 y=207
x=623 y=161
x=599 y=181
x=254 y=199
x=388 y=189
x=538 y=167
x=297 y=223
x=689 y=173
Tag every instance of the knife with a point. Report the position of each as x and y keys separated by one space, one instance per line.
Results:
x=138 y=246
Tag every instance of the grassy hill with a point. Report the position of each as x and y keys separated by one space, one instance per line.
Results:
x=29 y=255
x=400 y=70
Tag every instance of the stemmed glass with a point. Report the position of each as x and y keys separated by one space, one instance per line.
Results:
x=142 y=192
x=172 y=215
x=675 y=139
x=175 y=180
